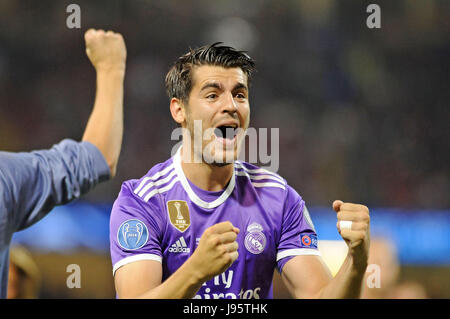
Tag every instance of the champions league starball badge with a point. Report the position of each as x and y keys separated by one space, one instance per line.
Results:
x=132 y=234
x=255 y=240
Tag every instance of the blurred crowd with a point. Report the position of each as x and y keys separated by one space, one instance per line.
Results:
x=363 y=113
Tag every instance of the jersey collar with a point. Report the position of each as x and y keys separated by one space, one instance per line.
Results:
x=192 y=195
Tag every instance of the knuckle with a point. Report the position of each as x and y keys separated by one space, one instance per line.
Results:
x=214 y=240
x=222 y=250
x=229 y=224
x=227 y=259
x=207 y=232
x=347 y=206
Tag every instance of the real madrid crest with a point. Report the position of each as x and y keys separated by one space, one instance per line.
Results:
x=179 y=214
x=255 y=240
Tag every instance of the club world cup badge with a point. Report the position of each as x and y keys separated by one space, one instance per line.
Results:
x=255 y=240
x=132 y=234
x=179 y=214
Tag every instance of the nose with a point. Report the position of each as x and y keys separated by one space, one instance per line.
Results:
x=230 y=105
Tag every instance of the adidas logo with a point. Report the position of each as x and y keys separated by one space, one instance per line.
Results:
x=180 y=246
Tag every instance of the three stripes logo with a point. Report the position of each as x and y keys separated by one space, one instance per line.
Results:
x=180 y=246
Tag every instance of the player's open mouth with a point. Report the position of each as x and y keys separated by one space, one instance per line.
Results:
x=226 y=134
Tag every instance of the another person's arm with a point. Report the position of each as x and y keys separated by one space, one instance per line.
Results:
x=32 y=183
x=107 y=53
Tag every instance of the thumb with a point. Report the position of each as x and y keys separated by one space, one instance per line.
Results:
x=337 y=205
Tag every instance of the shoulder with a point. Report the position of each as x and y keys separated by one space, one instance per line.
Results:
x=266 y=183
x=260 y=177
x=142 y=189
x=159 y=176
x=135 y=201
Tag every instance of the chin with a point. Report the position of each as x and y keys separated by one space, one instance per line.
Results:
x=222 y=158
x=220 y=164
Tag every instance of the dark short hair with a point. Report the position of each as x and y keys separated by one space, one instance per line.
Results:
x=179 y=78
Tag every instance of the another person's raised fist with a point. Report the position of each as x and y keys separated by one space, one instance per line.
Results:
x=106 y=50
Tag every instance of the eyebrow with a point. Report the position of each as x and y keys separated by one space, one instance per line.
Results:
x=213 y=85
x=216 y=85
x=240 y=86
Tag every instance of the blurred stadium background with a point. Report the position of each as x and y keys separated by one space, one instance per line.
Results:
x=363 y=116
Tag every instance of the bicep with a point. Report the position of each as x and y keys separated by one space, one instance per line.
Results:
x=134 y=279
x=305 y=276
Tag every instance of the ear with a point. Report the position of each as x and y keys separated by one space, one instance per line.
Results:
x=177 y=110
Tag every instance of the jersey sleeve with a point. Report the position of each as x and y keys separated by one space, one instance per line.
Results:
x=32 y=183
x=135 y=229
x=298 y=236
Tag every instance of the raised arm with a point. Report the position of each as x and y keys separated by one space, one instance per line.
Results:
x=31 y=184
x=309 y=277
x=107 y=53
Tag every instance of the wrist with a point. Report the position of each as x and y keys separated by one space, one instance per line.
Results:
x=195 y=275
x=113 y=70
x=358 y=265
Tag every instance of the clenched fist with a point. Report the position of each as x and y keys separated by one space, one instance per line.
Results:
x=216 y=251
x=354 y=227
x=106 y=50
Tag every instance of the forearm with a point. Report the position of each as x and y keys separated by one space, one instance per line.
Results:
x=347 y=283
x=216 y=251
x=105 y=125
x=182 y=284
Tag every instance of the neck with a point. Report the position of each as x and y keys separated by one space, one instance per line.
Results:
x=206 y=176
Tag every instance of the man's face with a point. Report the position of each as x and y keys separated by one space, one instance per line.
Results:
x=218 y=107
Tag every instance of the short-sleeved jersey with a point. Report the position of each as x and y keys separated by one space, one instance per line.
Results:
x=163 y=215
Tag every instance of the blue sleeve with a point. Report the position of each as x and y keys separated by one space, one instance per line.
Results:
x=31 y=184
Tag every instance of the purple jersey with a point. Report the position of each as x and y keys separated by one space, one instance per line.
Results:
x=162 y=216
